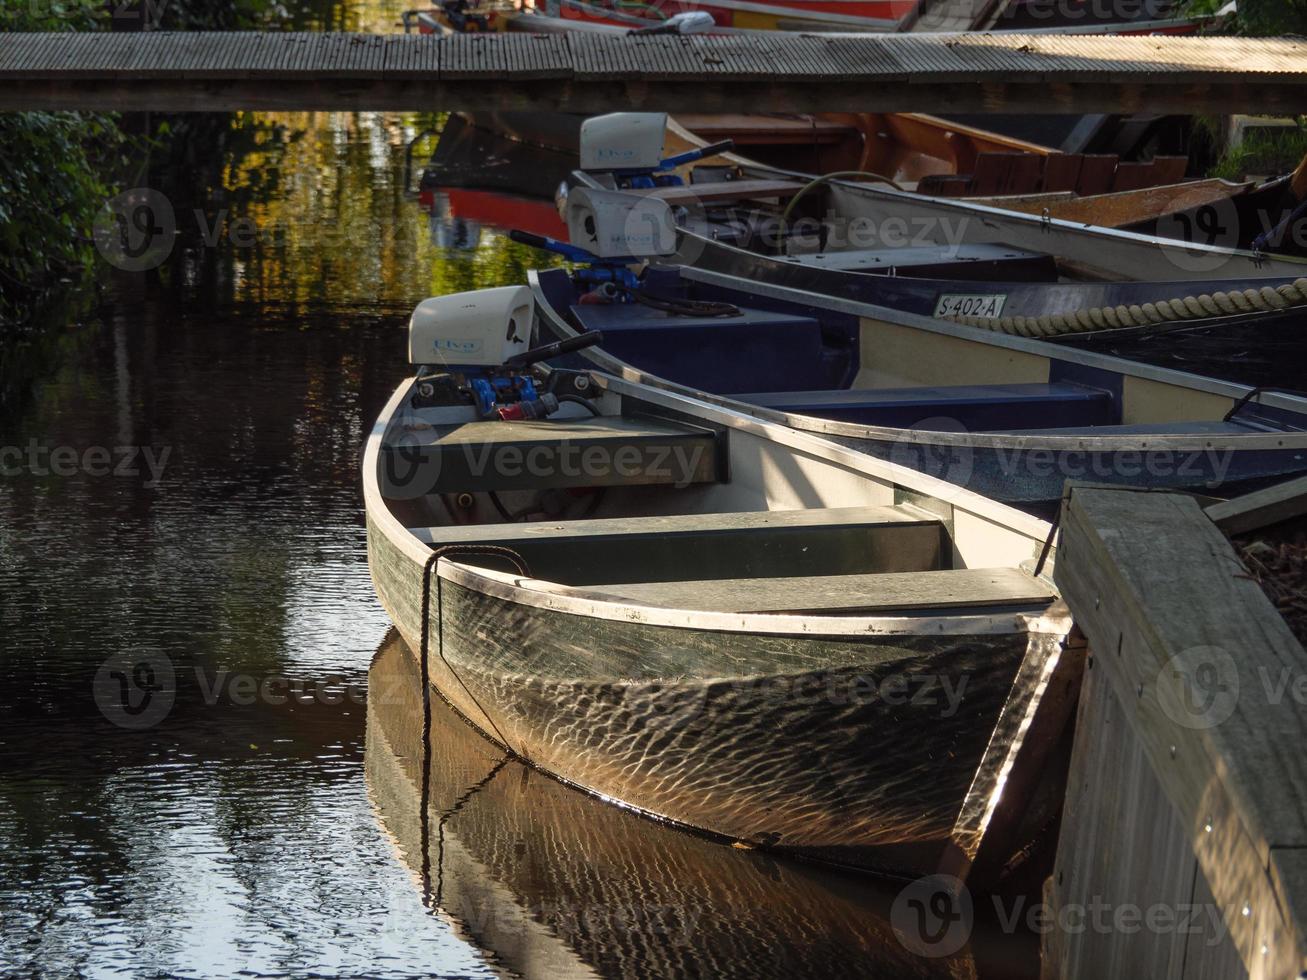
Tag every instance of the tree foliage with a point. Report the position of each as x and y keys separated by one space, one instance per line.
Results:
x=1266 y=18
x=52 y=176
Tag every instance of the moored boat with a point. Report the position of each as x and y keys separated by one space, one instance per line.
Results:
x=1008 y=416
x=706 y=617
x=1193 y=230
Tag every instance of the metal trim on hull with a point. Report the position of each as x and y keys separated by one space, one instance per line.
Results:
x=538 y=594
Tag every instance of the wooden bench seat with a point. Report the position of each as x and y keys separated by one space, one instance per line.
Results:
x=886 y=592
x=742 y=545
x=535 y=455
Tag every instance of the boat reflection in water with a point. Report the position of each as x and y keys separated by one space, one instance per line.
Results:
x=478 y=178
x=550 y=882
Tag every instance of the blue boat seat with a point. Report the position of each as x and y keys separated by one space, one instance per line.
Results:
x=726 y=355
x=972 y=408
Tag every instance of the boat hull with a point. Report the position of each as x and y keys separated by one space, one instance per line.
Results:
x=796 y=757
x=552 y=883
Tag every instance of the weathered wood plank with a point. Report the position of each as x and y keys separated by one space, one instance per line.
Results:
x=1199 y=662
x=1105 y=858
x=685 y=524
x=1261 y=508
x=886 y=591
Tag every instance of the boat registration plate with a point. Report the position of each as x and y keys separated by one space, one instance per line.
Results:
x=970 y=304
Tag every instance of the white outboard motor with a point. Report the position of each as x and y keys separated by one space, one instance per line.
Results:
x=618 y=225
x=485 y=328
x=623 y=141
x=475 y=359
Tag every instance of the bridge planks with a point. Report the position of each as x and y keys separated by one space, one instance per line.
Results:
x=596 y=72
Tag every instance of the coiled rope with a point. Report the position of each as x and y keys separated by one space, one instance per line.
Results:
x=1264 y=300
x=823 y=179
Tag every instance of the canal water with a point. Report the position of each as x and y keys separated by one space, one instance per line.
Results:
x=199 y=777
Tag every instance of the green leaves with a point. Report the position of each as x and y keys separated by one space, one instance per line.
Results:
x=51 y=188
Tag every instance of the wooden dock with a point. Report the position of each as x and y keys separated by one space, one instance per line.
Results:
x=1183 y=850
x=1004 y=72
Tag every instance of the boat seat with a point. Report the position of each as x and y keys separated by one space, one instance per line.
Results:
x=973 y=407
x=739 y=545
x=887 y=592
x=548 y=454
x=757 y=349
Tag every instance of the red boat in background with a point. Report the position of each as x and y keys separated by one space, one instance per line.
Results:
x=501 y=210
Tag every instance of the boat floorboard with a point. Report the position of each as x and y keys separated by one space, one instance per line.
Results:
x=887 y=591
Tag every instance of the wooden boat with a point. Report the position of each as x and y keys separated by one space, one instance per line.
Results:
x=549 y=882
x=1008 y=417
x=679 y=625
x=948 y=158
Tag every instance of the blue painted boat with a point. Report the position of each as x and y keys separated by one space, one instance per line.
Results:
x=1005 y=416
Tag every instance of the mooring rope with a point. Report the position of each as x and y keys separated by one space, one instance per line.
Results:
x=826 y=178
x=425 y=644
x=1267 y=299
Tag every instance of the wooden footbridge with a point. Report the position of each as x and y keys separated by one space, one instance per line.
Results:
x=593 y=72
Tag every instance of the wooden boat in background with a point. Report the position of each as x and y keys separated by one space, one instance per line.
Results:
x=946 y=158
x=549 y=882
x=1077 y=188
x=673 y=620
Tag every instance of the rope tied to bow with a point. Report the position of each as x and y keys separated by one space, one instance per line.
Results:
x=1267 y=299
